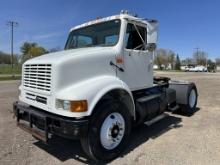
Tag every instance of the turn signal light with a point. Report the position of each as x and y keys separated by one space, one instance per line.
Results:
x=79 y=106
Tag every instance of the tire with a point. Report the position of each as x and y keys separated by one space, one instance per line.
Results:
x=192 y=98
x=95 y=144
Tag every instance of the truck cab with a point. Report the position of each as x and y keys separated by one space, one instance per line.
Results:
x=99 y=87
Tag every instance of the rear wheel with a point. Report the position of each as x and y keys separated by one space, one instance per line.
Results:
x=192 y=97
x=109 y=131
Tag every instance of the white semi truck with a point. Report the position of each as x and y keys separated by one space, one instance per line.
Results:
x=99 y=87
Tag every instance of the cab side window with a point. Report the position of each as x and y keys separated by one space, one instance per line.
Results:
x=135 y=36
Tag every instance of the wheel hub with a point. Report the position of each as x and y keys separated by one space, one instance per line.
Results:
x=192 y=98
x=115 y=131
x=112 y=131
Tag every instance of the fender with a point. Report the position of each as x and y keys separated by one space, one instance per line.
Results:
x=92 y=90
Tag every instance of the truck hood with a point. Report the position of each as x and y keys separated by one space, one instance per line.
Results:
x=65 y=55
x=74 y=66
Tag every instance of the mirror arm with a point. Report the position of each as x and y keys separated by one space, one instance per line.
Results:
x=139 y=34
x=151 y=46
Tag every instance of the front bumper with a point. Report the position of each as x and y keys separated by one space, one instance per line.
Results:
x=40 y=123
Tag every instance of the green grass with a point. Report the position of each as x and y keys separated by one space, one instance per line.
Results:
x=5 y=78
x=6 y=69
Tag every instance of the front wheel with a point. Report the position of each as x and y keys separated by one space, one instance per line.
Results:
x=109 y=131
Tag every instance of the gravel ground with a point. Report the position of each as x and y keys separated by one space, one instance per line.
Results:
x=174 y=140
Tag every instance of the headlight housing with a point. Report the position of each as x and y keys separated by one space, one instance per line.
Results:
x=72 y=106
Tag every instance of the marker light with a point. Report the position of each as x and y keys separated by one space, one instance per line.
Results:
x=78 y=106
x=119 y=60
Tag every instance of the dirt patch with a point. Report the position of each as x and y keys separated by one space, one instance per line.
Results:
x=174 y=140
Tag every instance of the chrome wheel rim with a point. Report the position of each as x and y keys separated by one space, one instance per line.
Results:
x=112 y=131
x=192 y=98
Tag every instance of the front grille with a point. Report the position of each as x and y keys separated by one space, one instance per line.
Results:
x=37 y=76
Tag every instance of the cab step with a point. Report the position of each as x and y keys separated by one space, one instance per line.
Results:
x=156 y=119
x=173 y=109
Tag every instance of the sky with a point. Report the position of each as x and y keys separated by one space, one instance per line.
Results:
x=183 y=24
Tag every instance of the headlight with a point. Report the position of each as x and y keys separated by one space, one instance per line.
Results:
x=66 y=105
x=73 y=106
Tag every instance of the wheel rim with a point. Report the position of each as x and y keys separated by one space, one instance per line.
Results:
x=192 y=98
x=112 y=131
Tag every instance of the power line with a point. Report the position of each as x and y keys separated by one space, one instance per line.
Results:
x=12 y=24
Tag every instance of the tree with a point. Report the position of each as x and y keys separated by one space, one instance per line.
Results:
x=178 y=63
x=188 y=61
x=25 y=48
x=200 y=57
x=217 y=61
x=6 y=58
x=163 y=58
x=171 y=59
x=160 y=58
x=36 y=51
x=30 y=50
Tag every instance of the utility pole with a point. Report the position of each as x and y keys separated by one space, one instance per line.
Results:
x=197 y=54
x=197 y=51
x=12 y=24
x=206 y=61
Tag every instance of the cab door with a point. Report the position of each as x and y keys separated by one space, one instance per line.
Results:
x=137 y=61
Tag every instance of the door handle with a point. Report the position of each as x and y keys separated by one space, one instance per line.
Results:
x=119 y=68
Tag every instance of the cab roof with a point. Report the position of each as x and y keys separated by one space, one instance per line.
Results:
x=120 y=16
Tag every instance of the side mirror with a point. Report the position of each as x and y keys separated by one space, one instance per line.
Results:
x=152 y=29
x=150 y=46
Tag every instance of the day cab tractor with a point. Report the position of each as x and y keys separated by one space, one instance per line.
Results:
x=99 y=87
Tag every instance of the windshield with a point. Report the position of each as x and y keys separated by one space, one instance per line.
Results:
x=102 y=34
